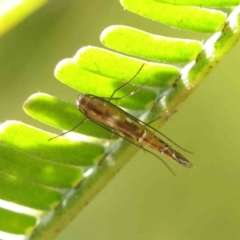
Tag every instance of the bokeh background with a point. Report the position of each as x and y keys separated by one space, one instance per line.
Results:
x=144 y=201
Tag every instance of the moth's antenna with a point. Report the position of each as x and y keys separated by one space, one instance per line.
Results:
x=125 y=84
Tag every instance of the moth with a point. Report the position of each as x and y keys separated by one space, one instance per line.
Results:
x=111 y=117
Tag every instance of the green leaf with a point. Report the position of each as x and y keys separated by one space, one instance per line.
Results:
x=16 y=223
x=122 y=68
x=61 y=150
x=57 y=113
x=14 y=11
x=183 y=17
x=157 y=48
x=28 y=194
x=202 y=3
x=48 y=173
x=68 y=72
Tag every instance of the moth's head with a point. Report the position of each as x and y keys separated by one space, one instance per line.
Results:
x=79 y=99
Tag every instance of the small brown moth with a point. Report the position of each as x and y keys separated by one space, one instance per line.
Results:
x=108 y=115
x=111 y=117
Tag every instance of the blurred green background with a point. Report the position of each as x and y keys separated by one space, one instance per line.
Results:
x=144 y=201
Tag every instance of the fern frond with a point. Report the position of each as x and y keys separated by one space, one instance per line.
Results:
x=65 y=171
